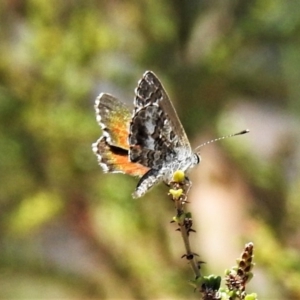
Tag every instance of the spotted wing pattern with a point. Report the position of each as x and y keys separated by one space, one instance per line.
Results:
x=157 y=139
x=112 y=148
x=155 y=130
x=151 y=143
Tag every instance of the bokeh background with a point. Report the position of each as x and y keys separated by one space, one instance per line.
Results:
x=67 y=231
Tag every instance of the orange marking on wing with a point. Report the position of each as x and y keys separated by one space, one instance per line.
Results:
x=115 y=159
x=112 y=148
x=118 y=129
x=121 y=163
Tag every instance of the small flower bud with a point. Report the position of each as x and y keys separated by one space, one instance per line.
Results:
x=178 y=176
x=176 y=194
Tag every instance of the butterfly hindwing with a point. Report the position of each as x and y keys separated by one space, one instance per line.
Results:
x=150 y=143
x=112 y=148
x=114 y=159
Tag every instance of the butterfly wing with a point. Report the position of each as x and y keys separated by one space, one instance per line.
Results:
x=112 y=148
x=155 y=129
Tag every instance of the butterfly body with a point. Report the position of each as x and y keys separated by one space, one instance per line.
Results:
x=150 y=143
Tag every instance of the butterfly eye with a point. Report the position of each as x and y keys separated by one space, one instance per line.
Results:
x=198 y=158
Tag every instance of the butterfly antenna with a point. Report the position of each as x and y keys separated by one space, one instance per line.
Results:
x=221 y=138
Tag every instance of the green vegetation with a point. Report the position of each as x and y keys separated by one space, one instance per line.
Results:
x=68 y=231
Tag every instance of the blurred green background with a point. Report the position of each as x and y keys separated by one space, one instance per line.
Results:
x=67 y=231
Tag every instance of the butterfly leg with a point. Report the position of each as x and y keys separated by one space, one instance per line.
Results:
x=188 y=185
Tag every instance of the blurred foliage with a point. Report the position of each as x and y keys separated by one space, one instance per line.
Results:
x=68 y=231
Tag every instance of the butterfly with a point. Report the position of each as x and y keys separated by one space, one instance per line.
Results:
x=149 y=143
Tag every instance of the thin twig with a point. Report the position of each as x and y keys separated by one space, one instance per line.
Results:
x=180 y=188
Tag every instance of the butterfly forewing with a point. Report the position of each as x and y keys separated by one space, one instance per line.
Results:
x=114 y=118
x=150 y=143
x=155 y=132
